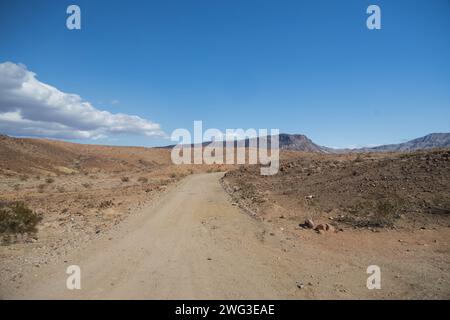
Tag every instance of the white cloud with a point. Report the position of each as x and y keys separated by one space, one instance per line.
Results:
x=32 y=108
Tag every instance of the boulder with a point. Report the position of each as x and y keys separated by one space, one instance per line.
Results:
x=309 y=224
x=324 y=227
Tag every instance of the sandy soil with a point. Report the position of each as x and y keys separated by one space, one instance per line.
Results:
x=194 y=242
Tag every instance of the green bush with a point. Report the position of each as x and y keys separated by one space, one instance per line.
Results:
x=17 y=218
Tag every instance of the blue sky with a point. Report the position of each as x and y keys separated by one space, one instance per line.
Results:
x=308 y=67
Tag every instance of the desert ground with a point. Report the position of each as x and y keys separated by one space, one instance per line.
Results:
x=140 y=227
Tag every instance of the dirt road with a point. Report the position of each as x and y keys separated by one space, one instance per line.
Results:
x=193 y=243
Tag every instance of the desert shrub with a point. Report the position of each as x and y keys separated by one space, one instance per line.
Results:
x=60 y=189
x=142 y=180
x=17 y=218
x=86 y=185
x=173 y=175
x=381 y=213
x=49 y=180
x=105 y=204
x=125 y=179
x=16 y=187
x=359 y=158
x=41 y=188
x=24 y=178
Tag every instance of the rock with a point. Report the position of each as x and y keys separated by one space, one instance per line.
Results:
x=320 y=227
x=300 y=285
x=309 y=224
x=309 y=197
x=324 y=227
x=329 y=227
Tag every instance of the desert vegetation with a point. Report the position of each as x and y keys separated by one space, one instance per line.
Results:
x=17 y=218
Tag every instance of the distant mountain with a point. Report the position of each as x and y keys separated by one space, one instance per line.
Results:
x=299 y=142
x=294 y=142
x=433 y=140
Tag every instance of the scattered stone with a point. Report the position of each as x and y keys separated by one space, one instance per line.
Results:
x=300 y=285
x=309 y=224
x=324 y=227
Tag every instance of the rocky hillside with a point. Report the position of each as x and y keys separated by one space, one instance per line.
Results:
x=40 y=156
x=363 y=190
